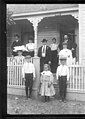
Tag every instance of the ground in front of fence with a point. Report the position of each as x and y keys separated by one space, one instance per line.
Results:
x=19 y=105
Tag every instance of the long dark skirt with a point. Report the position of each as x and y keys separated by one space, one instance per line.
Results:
x=62 y=86
x=54 y=61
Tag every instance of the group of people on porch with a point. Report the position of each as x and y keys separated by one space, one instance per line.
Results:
x=48 y=54
x=53 y=59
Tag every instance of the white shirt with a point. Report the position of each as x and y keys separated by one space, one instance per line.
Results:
x=62 y=70
x=53 y=46
x=43 y=52
x=28 y=68
x=30 y=46
x=68 y=54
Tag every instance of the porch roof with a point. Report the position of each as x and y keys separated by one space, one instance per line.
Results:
x=26 y=8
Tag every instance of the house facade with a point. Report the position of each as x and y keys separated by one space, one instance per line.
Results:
x=48 y=21
x=44 y=21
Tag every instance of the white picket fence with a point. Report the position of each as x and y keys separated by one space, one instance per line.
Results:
x=14 y=75
x=14 y=72
x=77 y=78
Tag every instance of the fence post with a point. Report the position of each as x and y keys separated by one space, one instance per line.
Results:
x=36 y=62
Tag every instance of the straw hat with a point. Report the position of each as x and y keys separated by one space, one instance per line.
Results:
x=63 y=58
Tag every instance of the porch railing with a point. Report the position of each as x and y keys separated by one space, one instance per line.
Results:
x=77 y=77
x=14 y=75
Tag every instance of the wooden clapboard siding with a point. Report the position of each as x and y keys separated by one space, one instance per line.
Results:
x=48 y=34
x=82 y=32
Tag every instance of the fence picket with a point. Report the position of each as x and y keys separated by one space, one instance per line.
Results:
x=79 y=83
x=76 y=79
x=82 y=79
x=73 y=78
x=70 y=86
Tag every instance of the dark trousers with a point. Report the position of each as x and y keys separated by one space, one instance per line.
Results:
x=62 y=86
x=28 y=83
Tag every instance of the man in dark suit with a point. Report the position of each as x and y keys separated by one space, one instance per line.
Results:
x=68 y=41
x=44 y=52
x=71 y=45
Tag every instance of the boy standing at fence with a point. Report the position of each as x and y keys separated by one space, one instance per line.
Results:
x=62 y=75
x=28 y=74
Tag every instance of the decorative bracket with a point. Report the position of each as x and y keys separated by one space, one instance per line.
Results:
x=76 y=16
x=35 y=20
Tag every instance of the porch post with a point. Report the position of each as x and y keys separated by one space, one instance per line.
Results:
x=35 y=21
x=35 y=25
x=82 y=33
x=36 y=59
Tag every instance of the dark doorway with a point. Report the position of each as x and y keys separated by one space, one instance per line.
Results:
x=26 y=36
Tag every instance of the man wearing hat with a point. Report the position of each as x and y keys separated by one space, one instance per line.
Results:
x=62 y=75
x=68 y=41
x=44 y=52
x=28 y=74
x=67 y=53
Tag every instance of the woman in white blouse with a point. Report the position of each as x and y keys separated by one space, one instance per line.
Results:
x=54 y=55
x=30 y=47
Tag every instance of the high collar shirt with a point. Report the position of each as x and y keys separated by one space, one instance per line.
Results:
x=30 y=46
x=62 y=70
x=28 y=68
x=54 y=46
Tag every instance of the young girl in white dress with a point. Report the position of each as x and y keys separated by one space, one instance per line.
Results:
x=46 y=80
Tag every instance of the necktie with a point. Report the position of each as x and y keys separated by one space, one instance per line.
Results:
x=44 y=49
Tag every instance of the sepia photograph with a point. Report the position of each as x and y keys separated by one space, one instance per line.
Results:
x=45 y=59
